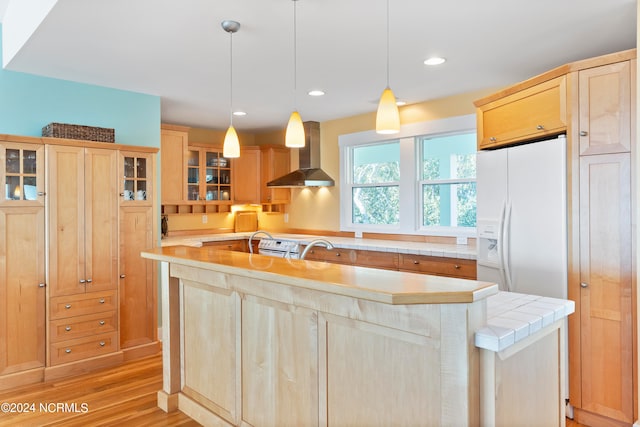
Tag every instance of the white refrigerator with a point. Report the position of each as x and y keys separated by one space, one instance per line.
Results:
x=522 y=218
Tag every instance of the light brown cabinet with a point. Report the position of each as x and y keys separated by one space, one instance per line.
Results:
x=22 y=260
x=439 y=266
x=208 y=175
x=530 y=113
x=228 y=245
x=255 y=167
x=83 y=234
x=137 y=277
x=602 y=345
x=173 y=154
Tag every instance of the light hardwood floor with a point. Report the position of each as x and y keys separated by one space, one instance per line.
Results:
x=121 y=396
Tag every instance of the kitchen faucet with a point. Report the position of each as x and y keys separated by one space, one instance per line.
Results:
x=253 y=235
x=316 y=242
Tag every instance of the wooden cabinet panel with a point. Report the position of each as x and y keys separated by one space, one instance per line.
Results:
x=440 y=266
x=81 y=304
x=173 y=154
x=276 y=162
x=83 y=326
x=83 y=348
x=137 y=290
x=22 y=292
x=605 y=109
x=228 y=245
x=246 y=176
x=606 y=325
x=528 y=114
x=377 y=259
x=82 y=191
x=335 y=255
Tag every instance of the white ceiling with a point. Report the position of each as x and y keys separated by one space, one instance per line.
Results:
x=178 y=50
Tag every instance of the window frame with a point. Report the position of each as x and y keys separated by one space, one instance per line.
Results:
x=410 y=182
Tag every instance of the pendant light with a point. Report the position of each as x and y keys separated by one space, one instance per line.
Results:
x=231 y=146
x=294 y=136
x=388 y=116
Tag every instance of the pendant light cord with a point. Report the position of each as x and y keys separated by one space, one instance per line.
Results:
x=231 y=78
x=387 y=43
x=295 y=56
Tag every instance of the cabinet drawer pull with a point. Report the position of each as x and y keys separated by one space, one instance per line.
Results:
x=68 y=351
x=584 y=285
x=584 y=133
x=493 y=139
x=101 y=301
x=68 y=328
x=102 y=343
x=89 y=280
x=337 y=253
x=82 y=281
x=102 y=323
x=416 y=262
x=42 y=285
x=67 y=306
x=540 y=127
x=122 y=276
x=41 y=193
x=456 y=266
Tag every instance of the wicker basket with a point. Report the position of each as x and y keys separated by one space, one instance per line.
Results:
x=87 y=133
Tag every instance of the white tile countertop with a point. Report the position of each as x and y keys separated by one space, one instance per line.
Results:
x=397 y=246
x=512 y=317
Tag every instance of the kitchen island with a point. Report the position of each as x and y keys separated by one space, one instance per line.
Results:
x=255 y=340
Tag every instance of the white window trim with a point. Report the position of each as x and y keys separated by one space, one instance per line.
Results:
x=408 y=178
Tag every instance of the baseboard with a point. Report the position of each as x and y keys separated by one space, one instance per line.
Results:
x=83 y=366
x=143 y=350
x=31 y=376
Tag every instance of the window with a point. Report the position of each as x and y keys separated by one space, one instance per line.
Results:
x=375 y=192
x=422 y=182
x=448 y=173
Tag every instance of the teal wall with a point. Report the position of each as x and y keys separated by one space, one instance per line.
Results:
x=29 y=102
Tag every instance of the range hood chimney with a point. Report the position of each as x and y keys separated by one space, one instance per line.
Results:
x=309 y=174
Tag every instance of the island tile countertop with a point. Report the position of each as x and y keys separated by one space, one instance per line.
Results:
x=389 y=287
x=397 y=246
x=512 y=316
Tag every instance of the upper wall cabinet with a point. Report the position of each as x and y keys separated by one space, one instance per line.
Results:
x=605 y=109
x=527 y=114
x=173 y=154
x=255 y=167
x=22 y=174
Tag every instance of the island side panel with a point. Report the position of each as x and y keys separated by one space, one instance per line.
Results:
x=209 y=346
x=279 y=363
x=381 y=376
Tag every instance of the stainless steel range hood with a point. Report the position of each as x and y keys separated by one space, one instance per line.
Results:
x=309 y=174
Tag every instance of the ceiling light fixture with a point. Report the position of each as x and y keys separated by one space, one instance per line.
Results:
x=434 y=60
x=231 y=146
x=294 y=136
x=388 y=116
x=316 y=92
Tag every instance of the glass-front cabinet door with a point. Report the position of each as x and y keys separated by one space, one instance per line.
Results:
x=22 y=172
x=208 y=175
x=137 y=177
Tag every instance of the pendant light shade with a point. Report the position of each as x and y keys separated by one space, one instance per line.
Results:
x=388 y=116
x=294 y=137
x=231 y=145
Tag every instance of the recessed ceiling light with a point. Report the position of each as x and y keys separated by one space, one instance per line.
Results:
x=239 y=113
x=316 y=92
x=434 y=60
x=400 y=103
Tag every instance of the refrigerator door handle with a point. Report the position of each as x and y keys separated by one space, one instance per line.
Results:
x=507 y=248
x=501 y=248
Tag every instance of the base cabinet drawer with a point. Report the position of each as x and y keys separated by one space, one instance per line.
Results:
x=81 y=304
x=83 y=326
x=335 y=255
x=440 y=266
x=82 y=348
